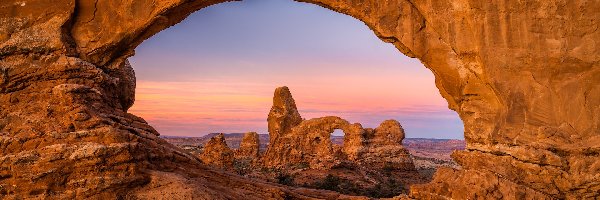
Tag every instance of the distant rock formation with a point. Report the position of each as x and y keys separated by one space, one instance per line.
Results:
x=249 y=147
x=294 y=141
x=217 y=154
x=283 y=115
x=384 y=148
x=301 y=153
x=309 y=141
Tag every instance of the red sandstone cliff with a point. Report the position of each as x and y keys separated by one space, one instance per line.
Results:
x=522 y=75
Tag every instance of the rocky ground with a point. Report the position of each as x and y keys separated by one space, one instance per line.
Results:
x=436 y=151
x=428 y=154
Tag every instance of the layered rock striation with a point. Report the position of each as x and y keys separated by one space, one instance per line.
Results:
x=524 y=76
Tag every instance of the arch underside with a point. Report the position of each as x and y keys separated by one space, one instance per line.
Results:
x=523 y=76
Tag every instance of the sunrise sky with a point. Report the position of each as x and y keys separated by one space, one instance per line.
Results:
x=217 y=70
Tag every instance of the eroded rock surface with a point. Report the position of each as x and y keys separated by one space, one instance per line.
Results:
x=283 y=115
x=384 y=148
x=523 y=76
x=310 y=140
x=216 y=153
x=249 y=147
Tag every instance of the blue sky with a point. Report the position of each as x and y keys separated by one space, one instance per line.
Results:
x=216 y=71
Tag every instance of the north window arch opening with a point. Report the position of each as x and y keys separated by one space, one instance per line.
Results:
x=215 y=72
x=337 y=137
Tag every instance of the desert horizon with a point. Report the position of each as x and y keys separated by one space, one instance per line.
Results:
x=224 y=61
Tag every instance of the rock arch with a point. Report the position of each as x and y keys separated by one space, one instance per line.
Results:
x=310 y=142
x=524 y=77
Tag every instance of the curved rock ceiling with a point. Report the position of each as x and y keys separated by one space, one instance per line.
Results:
x=524 y=77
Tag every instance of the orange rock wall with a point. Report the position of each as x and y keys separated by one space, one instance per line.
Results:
x=524 y=76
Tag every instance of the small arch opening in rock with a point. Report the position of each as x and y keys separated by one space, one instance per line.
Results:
x=337 y=137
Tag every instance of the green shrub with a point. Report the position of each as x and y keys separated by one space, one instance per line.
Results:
x=389 y=188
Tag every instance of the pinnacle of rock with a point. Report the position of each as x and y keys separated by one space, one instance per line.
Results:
x=217 y=153
x=283 y=115
x=249 y=147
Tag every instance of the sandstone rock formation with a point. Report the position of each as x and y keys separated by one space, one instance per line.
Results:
x=216 y=153
x=310 y=140
x=249 y=147
x=522 y=75
x=373 y=162
x=383 y=148
x=283 y=115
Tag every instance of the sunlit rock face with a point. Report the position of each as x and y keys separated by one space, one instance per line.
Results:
x=216 y=153
x=249 y=147
x=524 y=76
x=383 y=147
x=371 y=162
x=283 y=115
x=310 y=140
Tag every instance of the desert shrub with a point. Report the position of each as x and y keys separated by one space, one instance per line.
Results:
x=388 y=189
x=330 y=182
x=335 y=183
x=242 y=166
x=285 y=179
